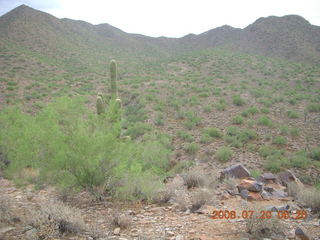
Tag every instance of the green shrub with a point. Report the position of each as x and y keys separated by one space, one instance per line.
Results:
x=237 y=120
x=300 y=160
x=205 y=138
x=192 y=148
x=266 y=151
x=185 y=136
x=72 y=146
x=284 y=129
x=238 y=101
x=265 y=110
x=292 y=114
x=279 y=140
x=313 y=107
x=224 y=154
x=294 y=132
x=192 y=120
x=265 y=121
x=213 y=132
x=315 y=153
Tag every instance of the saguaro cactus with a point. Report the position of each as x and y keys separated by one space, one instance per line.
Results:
x=100 y=105
x=113 y=80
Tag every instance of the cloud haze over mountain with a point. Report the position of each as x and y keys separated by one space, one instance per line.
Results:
x=170 y=18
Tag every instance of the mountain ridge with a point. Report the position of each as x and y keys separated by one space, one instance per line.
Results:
x=290 y=37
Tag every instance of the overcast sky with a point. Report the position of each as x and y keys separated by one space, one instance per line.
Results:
x=171 y=18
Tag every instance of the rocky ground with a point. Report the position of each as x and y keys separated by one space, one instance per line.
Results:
x=191 y=213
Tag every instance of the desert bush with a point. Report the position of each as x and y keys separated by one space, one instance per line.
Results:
x=238 y=101
x=237 y=120
x=315 y=153
x=224 y=154
x=163 y=196
x=193 y=179
x=192 y=120
x=310 y=196
x=292 y=114
x=265 y=121
x=260 y=228
x=205 y=138
x=213 y=132
x=192 y=148
x=279 y=140
x=300 y=160
x=198 y=200
x=313 y=107
x=71 y=146
x=185 y=136
x=122 y=221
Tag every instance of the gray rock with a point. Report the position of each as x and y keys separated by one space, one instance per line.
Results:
x=269 y=176
x=288 y=177
x=278 y=208
x=301 y=234
x=244 y=193
x=265 y=195
x=279 y=193
x=235 y=171
x=32 y=234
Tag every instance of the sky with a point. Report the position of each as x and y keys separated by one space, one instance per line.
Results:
x=171 y=18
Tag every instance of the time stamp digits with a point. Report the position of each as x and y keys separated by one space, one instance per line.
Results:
x=263 y=214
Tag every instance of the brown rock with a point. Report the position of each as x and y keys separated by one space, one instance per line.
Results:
x=235 y=171
x=254 y=196
x=250 y=185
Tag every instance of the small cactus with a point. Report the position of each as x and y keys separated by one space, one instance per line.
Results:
x=100 y=105
x=113 y=81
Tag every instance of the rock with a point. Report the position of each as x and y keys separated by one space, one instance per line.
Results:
x=235 y=171
x=285 y=207
x=32 y=234
x=244 y=193
x=116 y=231
x=288 y=177
x=6 y=229
x=268 y=189
x=279 y=193
x=170 y=234
x=265 y=195
x=301 y=234
x=254 y=196
x=268 y=176
x=250 y=185
x=179 y=237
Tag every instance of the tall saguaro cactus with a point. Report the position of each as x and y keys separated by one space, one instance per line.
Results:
x=113 y=79
x=114 y=107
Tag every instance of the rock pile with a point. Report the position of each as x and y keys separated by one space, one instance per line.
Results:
x=265 y=187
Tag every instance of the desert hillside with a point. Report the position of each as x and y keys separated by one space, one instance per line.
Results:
x=110 y=135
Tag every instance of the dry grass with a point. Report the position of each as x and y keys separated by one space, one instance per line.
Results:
x=260 y=228
x=5 y=210
x=120 y=220
x=310 y=197
x=193 y=179
x=56 y=219
x=198 y=200
x=163 y=196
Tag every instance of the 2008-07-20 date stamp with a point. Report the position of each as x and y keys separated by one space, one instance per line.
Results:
x=263 y=214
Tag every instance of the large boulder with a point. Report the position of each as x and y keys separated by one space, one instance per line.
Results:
x=288 y=177
x=235 y=171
